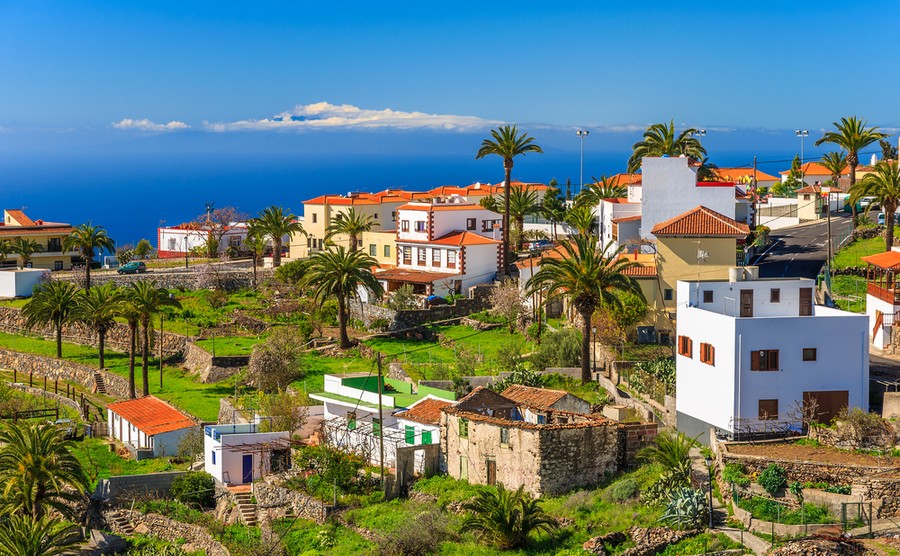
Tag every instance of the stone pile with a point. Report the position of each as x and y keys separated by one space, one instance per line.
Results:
x=649 y=541
x=820 y=547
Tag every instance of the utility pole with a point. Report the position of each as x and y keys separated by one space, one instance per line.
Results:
x=381 y=429
x=755 y=198
x=160 y=349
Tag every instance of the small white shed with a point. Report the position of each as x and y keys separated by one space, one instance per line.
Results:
x=149 y=426
x=20 y=282
x=239 y=454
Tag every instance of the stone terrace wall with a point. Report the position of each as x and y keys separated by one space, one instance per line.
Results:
x=228 y=280
x=883 y=491
x=12 y=321
x=60 y=369
x=40 y=392
x=229 y=414
x=401 y=320
x=195 y=537
x=212 y=369
x=272 y=501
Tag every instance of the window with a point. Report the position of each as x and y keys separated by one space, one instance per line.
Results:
x=685 y=346
x=707 y=296
x=764 y=360
x=172 y=243
x=464 y=428
x=470 y=223
x=421 y=256
x=542 y=419
x=806 y=196
x=393 y=216
x=806 y=302
x=775 y=295
x=373 y=250
x=426 y=437
x=451 y=259
x=387 y=250
x=315 y=217
x=707 y=354
x=404 y=226
x=809 y=354
x=420 y=225
x=57 y=265
x=409 y=434
x=351 y=420
x=504 y=436
x=376 y=426
x=435 y=257
x=407 y=255
x=667 y=294
x=375 y=216
x=768 y=410
x=213 y=458
x=463 y=468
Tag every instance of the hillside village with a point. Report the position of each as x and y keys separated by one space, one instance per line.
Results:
x=512 y=367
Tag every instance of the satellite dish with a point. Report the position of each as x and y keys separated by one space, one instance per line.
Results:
x=702 y=255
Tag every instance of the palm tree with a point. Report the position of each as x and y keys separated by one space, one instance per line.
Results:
x=5 y=249
x=506 y=518
x=581 y=217
x=88 y=239
x=98 y=309
x=507 y=143
x=147 y=301
x=339 y=273
x=275 y=223
x=52 y=303
x=660 y=139
x=133 y=318
x=25 y=248
x=351 y=223
x=852 y=135
x=883 y=183
x=256 y=244
x=603 y=188
x=522 y=202
x=590 y=278
x=38 y=471
x=672 y=452
x=24 y=536
x=835 y=162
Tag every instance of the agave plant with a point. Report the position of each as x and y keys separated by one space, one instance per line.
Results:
x=686 y=509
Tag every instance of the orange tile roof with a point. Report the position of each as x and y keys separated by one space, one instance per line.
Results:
x=151 y=415
x=626 y=179
x=364 y=198
x=886 y=260
x=815 y=169
x=426 y=411
x=701 y=222
x=619 y=201
x=810 y=189
x=35 y=230
x=459 y=239
x=743 y=175
x=20 y=217
x=412 y=276
x=634 y=218
x=429 y=207
x=640 y=271
x=537 y=397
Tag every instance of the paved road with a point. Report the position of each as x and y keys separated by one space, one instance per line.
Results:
x=799 y=251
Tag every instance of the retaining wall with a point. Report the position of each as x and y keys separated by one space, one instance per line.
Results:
x=273 y=500
x=401 y=320
x=229 y=414
x=40 y=392
x=120 y=488
x=194 y=537
x=212 y=369
x=60 y=369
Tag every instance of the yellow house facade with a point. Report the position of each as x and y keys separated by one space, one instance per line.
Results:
x=49 y=235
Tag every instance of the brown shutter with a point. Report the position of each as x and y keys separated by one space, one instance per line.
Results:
x=712 y=355
x=754 y=360
x=806 y=302
x=773 y=360
x=690 y=352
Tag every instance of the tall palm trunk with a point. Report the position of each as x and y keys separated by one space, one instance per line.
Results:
x=132 y=347
x=586 y=344
x=87 y=275
x=853 y=161
x=59 y=339
x=276 y=251
x=342 y=322
x=145 y=355
x=254 y=269
x=507 y=169
x=889 y=209
x=520 y=225
x=102 y=346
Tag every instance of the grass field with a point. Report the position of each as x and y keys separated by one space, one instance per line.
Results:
x=179 y=388
x=100 y=462
x=849 y=292
x=852 y=254
x=230 y=345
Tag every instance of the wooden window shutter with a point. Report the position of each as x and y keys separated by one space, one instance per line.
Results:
x=754 y=360
x=712 y=355
x=773 y=360
x=690 y=350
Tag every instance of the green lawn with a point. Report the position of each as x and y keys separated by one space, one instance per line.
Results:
x=230 y=345
x=852 y=254
x=100 y=462
x=179 y=388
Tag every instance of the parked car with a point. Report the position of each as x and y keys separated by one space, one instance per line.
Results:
x=134 y=267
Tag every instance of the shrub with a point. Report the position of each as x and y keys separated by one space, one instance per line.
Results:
x=736 y=474
x=773 y=478
x=380 y=325
x=194 y=488
x=292 y=272
x=403 y=299
x=686 y=509
x=559 y=348
x=276 y=362
x=623 y=490
x=431 y=529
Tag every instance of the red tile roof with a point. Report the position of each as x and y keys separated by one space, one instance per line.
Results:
x=151 y=415
x=459 y=239
x=626 y=179
x=817 y=169
x=743 y=175
x=429 y=207
x=412 y=276
x=426 y=411
x=701 y=222
x=634 y=218
x=886 y=260
x=810 y=189
x=536 y=397
x=20 y=217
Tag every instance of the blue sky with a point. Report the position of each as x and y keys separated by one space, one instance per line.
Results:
x=77 y=66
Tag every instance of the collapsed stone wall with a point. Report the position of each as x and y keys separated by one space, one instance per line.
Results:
x=194 y=537
x=273 y=500
x=26 y=364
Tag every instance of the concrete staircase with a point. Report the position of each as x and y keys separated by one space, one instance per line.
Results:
x=122 y=523
x=246 y=508
x=99 y=384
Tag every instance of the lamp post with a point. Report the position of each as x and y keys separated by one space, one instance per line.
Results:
x=594 y=348
x=581 y=133
x=801 y=133
x=709 y=471
x=186 y=250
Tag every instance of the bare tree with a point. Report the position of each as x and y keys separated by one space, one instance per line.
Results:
x=508 y=303
x=218 y=222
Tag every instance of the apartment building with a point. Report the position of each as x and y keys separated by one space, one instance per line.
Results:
x=49 y=235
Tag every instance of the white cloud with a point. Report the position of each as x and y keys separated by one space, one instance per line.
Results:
x=147 y=125
x=323 y=115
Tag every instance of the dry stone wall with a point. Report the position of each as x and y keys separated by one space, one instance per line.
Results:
x=26 y=364
x=401 y=320
x=806 y=471
x=40 y=392
x=212 y=369
x=194 y=537
x=273 y=500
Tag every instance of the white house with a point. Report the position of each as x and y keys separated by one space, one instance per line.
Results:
x=175 y=241
x=883 y=297
x=148 y=426
x=755 y=355
x=20 y=282
x=444 y=246
x=239 y=454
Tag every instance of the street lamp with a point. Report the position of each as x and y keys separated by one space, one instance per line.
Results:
x=594 y=348
x=801 y=133
x=709 y=471
x=581 y=133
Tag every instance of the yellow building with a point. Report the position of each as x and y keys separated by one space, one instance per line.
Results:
x=49 y=235
x=810 y=204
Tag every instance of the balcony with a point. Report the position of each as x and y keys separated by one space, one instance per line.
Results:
x=888 y=295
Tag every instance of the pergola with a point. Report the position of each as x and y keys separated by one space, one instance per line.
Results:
x=881 y=275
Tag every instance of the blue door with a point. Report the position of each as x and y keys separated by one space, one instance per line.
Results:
x=247 y=475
